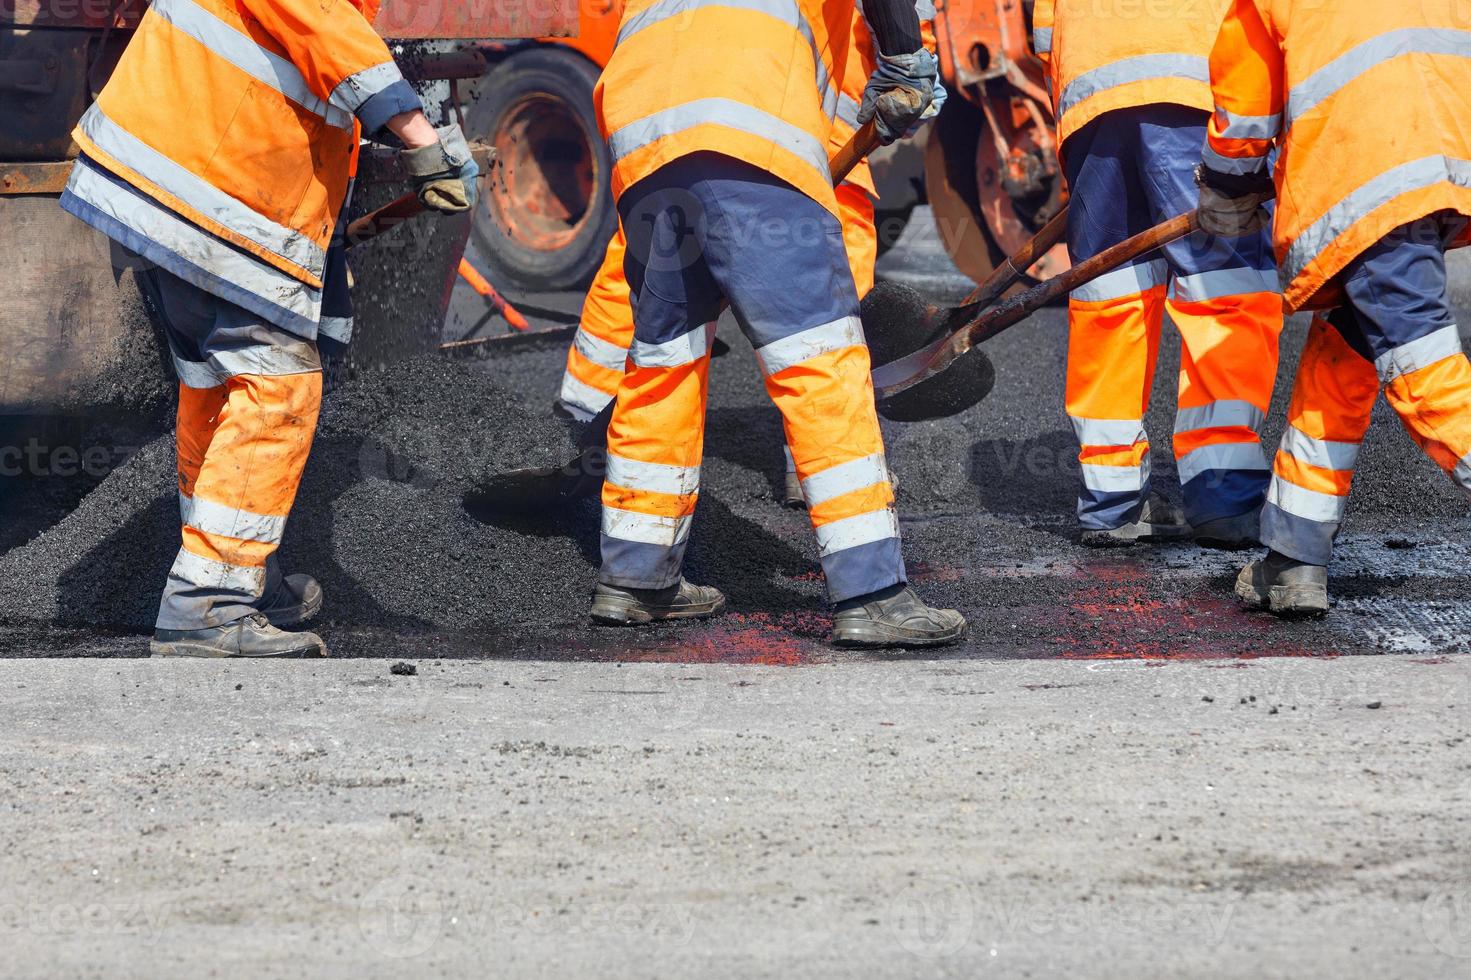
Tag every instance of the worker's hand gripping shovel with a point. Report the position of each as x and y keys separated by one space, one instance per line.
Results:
x=948 y=372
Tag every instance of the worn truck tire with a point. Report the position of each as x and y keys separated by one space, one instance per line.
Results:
x=546 y=213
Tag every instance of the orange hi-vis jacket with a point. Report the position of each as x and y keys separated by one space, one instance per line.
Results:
x=1369 y=105
x=1104 y=55
x=223 y=144
x=757 y=81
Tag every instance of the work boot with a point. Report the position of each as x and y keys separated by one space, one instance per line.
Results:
x=793 y=497
x=1158 y=521
x=1287 y=587
x=297 y=599
x=614 y=606
x=1231 y=533
x=253 y=636
x=895 y=617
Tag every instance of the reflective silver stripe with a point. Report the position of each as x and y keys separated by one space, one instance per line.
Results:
x=1325 y=453
x=1240 y=456
x=1131 y=280
x=338 y=328
x=359 y=87
x=196 y=246
x=1310 y=505
x=781 y=354
x=687 y=348
x=1239 y=166
x=848 y=109
x=1221 y=283
x=786 y=11
x=853 y=532
x=678 y=481
x=1042 y=40
x=1240 y=127
x=1417 y=354
x=1129 y=70
x=1115 y=479
x=241 y=51
x=1222 y=414
x=844 y=478
x=1320 y=86
x=1401 y=180
x=212 y=518
x=1462 y=473
x=599 y=351
x=627 y=525
x=582 y=400
x=196 y=374
x=721 y=112
x=1109 y=432
x=200 y=194
x=209 y=574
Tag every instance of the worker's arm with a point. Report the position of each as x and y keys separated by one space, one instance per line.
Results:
x=904 y=66
x=1249 y=94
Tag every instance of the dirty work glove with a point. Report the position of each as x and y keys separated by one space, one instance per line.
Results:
x=934 y=109
x=1232 y=206
x=900 y=90
x=444 y=174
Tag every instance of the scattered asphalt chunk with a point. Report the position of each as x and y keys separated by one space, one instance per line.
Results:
x=403 y=669
x=1374 y=705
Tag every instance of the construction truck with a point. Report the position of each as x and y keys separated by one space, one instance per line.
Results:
x=988 y=167
x=75 y=337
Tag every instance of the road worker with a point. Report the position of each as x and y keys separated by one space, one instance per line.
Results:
x=220 y=153
x=1132 y=95
x=599 y=351
x=720 y=174
x=1366 y=105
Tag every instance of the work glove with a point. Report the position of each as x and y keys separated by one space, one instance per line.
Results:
x=934 y=109
x=899 y=92
x=1233 y=207
x=444 y=174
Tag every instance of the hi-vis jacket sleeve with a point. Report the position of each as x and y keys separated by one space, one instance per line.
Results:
x=1249 y=91
x=342 y=58
x=1042 y=19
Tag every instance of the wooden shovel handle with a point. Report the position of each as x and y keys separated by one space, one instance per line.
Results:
x=1005 y=275
x=989 y=324
x=850 y=154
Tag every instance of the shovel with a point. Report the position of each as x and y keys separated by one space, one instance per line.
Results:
x=533 y=488
x=952 y=373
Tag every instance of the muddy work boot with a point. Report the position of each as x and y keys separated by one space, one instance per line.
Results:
x=1231 y=533
x=895 y=617
x=616 y=606
x=1158 y=521
x=1287 y=587
x=253 y=636
x=297 y=599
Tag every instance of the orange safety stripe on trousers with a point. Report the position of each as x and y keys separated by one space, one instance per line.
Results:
x=648 y=501
x=1188 y=442
x=261 y=444
x=1319 y=479
x=198 y=417
x=877 y=496
x=226 y=550
x=1114 y=456
x=1434 y=404
x=1113 y=347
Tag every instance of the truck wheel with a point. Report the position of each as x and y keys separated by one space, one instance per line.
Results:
x=546 y=214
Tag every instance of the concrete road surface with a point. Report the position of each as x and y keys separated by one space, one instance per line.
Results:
x=1267 y=818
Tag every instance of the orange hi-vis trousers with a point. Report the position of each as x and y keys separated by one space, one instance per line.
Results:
x=599 y=351
x=1127 y=171
x=249 y=396
x=703 y=231
x=1397 y=335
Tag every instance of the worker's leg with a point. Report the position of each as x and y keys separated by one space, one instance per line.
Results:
x=599 y=351
x=1113 y=327
x=1398 y=292
x=1332 y=401
x=1225 y=301
x=656 y=434
x=793 y=294
x=246 y=423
